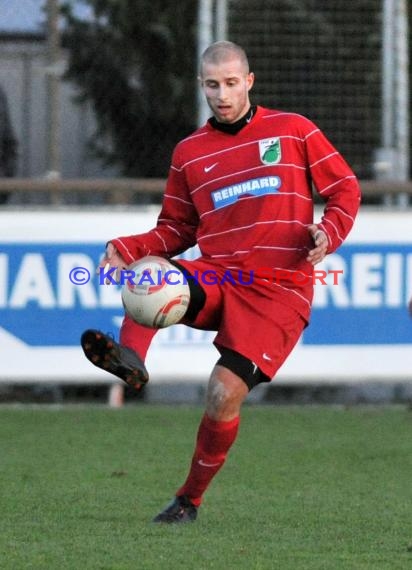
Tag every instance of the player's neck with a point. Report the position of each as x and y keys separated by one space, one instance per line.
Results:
x=234 y=128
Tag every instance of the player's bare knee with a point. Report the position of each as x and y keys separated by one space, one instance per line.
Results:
x=217 y=398
x=224 y=396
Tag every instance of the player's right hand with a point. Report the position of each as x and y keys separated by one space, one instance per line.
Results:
x=112 y=258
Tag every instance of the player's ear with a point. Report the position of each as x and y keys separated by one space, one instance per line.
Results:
x=250 y=79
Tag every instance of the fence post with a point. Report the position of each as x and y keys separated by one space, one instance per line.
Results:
x=392 y=159
x=53 y=94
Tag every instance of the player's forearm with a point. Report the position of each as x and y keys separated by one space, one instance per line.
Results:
x=340 y=213
x=164 y=240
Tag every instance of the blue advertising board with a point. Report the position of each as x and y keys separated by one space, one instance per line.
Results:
x=50 y=293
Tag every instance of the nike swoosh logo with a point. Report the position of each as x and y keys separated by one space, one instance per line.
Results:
x=203 y=464
x=209 y=168
x=266 y=356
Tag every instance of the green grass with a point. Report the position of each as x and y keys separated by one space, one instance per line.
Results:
x=304 y=488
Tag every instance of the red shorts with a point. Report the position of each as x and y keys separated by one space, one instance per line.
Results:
x=249 y=319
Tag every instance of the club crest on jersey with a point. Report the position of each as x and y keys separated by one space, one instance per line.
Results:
x=270 y=150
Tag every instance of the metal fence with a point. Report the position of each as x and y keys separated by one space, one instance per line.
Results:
x=343 y=63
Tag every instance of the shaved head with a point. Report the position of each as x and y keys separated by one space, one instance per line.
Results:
x=226 y=81
x=223 y=51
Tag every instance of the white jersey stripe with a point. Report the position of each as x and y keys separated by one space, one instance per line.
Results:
x=312 y=133
x=242 y=172
x=337 y=182
x=172 y=229
x=212 y=155
x=328 y=208
x=293 y=291
x=254 y=225
x=171 y=197
x=322 y=159
x=243 y=251
x=256 y=197
x=161 y=239
x=334 y=227
x=125 y=247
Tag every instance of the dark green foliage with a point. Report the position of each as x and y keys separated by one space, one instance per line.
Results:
x=135 y=62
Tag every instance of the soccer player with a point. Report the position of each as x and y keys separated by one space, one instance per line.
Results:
x=241 y=188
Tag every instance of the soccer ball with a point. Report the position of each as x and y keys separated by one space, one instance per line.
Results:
x=155 y=293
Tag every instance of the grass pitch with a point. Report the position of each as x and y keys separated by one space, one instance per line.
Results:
x=304 y=488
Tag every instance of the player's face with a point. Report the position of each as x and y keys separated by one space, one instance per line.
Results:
x=226 y=86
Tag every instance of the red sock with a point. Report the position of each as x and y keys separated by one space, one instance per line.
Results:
x=136 y=337
x=214 y=439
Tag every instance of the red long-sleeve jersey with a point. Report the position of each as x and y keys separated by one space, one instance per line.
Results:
x=246 y=200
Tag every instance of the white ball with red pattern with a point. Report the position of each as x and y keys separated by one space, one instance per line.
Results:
x=155 y=293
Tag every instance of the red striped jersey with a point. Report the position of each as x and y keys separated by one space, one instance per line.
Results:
x=246 y=200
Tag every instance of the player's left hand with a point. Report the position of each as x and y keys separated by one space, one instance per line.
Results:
x=317 y=254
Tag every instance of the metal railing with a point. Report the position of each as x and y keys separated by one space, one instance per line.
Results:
x=123 y=188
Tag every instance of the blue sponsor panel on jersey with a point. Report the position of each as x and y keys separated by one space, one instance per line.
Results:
x=49 y=293
x=255 y=187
